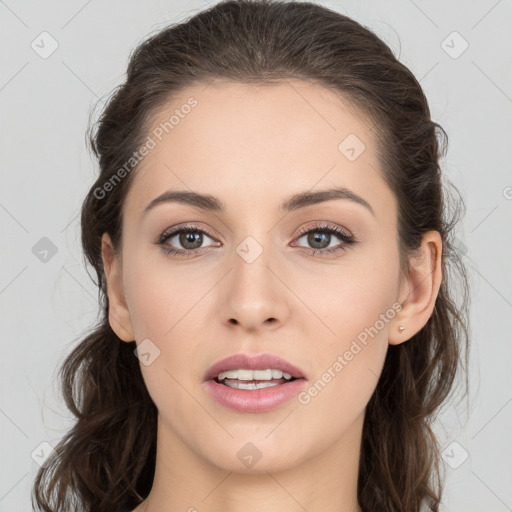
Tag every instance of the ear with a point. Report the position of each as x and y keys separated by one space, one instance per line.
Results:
x=118 y=314
x=419 y=289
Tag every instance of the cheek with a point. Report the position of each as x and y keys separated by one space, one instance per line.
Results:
x=167 y=307
x=353 y=299
x=348 y=363
x=356 y=303
x=334 y=403
x=160 y=295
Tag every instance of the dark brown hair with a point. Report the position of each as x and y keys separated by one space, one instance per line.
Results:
x=106 y=462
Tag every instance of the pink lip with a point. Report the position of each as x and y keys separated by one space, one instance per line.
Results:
x=254 y=400
x=255 y=362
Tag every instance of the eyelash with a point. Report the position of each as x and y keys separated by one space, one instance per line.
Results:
x=347 y=239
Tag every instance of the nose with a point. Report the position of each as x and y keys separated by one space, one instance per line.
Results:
x=254 y=296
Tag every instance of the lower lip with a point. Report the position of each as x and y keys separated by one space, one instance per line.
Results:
x=254 y=400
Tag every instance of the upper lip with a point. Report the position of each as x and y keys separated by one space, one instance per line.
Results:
x=253 y=362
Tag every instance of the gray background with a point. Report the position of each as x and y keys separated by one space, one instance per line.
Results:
x=48 y=301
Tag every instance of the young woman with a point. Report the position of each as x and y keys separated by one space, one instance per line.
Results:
x=272 y=244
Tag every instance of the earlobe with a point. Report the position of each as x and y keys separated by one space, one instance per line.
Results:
x=118 y=314
x=421 y=290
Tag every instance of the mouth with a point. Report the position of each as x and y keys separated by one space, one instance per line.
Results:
x=257 y=383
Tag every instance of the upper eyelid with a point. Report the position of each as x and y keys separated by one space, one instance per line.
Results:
x=178 y=229
x=327 y=226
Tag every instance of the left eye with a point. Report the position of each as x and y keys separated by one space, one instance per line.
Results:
x=318 y=236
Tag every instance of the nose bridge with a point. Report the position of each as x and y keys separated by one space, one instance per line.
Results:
x=251 y=261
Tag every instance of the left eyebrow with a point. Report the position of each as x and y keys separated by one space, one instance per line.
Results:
x=309 y=198
x=208 y=202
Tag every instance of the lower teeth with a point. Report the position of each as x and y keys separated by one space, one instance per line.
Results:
x=240 y=384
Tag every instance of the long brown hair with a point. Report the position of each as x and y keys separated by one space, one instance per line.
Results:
x=106 y=462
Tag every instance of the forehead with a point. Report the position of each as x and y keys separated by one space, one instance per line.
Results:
x=243 y=142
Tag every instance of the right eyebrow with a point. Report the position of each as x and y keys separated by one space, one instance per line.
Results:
x=202 y=201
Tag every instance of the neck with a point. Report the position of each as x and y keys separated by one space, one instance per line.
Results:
x=186 y=481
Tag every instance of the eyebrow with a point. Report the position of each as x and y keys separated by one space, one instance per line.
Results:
x=208 y=202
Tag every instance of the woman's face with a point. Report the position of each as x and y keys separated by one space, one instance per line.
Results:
x=248 y=281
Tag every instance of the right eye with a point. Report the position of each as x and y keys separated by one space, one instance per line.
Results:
x=190 y=238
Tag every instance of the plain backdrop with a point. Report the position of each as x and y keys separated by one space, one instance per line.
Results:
x=461 y=53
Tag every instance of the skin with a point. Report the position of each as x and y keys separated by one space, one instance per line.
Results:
x=253 y=147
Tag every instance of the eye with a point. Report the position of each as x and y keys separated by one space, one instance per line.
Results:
x=320 y=237
x=190 y=238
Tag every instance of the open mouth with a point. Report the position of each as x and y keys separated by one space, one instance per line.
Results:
x=241 y=383
x=253 y=384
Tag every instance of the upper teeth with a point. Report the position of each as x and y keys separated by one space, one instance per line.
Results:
x=254 y=374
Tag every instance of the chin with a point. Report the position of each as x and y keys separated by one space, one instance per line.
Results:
x=255 y=454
